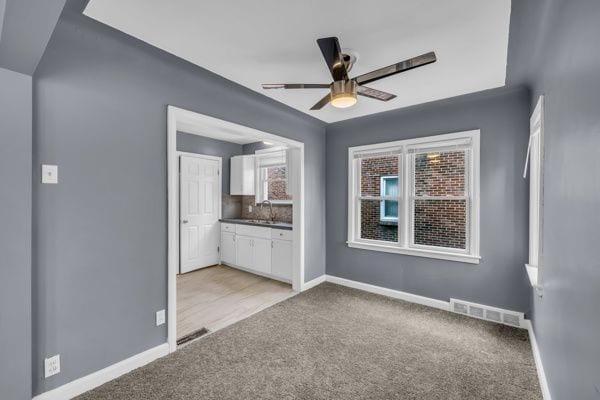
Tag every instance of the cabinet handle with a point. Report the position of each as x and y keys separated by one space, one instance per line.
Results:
x=272 y=244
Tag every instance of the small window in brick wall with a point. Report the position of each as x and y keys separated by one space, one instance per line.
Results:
x=438 y=216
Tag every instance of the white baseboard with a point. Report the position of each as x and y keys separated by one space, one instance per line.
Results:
x=538 y=362
x=396 y=294
x=311 y=284
x=95 y=379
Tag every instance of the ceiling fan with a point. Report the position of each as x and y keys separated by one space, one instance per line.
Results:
x=343 y=90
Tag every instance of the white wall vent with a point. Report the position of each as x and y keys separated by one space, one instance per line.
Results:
x=488 y=313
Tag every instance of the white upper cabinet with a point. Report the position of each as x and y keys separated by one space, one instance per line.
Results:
x=242 y=175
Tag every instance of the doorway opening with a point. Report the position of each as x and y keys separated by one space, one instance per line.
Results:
x=235 y=222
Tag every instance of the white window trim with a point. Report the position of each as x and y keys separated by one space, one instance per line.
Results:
x=402 y=247
x=382 y=184
x=535 y=163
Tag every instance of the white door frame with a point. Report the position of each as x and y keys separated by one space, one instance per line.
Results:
x=207 y=123
x=219 y=186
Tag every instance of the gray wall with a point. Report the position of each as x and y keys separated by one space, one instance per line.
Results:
x=499 y=280
x=554 y=50
x=210 y=147
x=251 y=148
x=25 y=32
x=15 y=235
x=100 y=238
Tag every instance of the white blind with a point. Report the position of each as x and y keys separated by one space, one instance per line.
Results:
x=270 y=158
x=384 y=152
x=448 y=145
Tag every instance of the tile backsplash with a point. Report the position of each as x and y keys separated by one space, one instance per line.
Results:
x=237 y=207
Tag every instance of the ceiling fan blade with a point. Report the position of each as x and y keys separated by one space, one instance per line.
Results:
x=332 y=52
x=295 y=85
x=375 y=94
x=393 y=69
x=322 y=103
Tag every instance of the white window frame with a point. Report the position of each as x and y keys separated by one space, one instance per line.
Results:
x=260 y=175
x=535 y=163
x=405 y=149
x=382 y=186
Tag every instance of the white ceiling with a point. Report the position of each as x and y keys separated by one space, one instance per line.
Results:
x=274 y=41
x=215 y=128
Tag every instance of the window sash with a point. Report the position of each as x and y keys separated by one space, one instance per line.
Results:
x=358 y=197
x=468 y=141
x=413 y=197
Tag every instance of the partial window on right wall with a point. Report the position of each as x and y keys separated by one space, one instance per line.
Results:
x=534 y=163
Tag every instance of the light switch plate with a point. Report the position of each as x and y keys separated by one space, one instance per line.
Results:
x=160 y=317
x=51 y=366
x=49 y=173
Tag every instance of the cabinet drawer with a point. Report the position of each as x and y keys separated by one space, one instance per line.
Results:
x=227 y=227
x=281 y=234
x=254 y=231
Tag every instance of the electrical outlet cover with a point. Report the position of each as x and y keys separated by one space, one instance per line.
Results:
x=52 y=366
x=49 y=173
x=160 y=317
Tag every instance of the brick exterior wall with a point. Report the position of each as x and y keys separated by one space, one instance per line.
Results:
x=372 y=169
x=440 y=222
x=277 y=183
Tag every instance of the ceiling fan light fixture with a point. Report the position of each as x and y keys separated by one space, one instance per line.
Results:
x=343 y=94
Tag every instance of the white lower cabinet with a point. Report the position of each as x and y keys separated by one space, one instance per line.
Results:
x=262 y=255
x=253 y=253
x=281 y=259
x=264 y=250
x=244 y=251
x=228 y=247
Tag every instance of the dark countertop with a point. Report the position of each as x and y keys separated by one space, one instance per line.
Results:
x=276 y=225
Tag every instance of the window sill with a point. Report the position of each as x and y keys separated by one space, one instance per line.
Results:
x=278 y=202
x=466 y=258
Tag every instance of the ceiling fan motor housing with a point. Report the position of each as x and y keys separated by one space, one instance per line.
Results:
x=343 y=93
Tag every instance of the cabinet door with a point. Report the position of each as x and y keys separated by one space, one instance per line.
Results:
x=262 y=255
x=281 y=259
x=228 y=248
x=241 y=176
x=243 y=247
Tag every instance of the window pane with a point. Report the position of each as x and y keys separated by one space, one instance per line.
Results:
x=371 y=225
x=440 y=173
x=390 y=186
x=390 y=209
x=371 y=172
x=277 y=183
x=441 y=223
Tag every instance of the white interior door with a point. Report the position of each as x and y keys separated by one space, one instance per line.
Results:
x=199 y=210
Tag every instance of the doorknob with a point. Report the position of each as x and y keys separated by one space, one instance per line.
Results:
x=185 y=221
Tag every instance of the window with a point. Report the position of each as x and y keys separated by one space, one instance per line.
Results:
x=535 y=157
x=417 y=197
x=272 y=176
x=389 y=208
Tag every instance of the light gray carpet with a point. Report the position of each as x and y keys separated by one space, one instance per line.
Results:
x=332 y=342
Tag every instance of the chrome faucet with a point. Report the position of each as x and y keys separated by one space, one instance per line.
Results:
x=270 y=208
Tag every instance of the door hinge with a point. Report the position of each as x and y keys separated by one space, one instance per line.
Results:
x=218 y=249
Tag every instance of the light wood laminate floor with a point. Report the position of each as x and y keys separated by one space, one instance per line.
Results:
x=218 y=296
